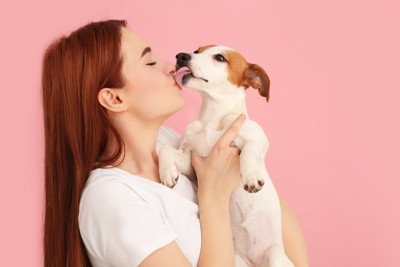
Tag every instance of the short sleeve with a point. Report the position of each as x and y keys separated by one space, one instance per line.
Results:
x=119 y=227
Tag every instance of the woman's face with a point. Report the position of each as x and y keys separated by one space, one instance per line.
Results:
x=150 y=89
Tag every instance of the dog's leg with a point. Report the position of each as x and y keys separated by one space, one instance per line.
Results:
x=172 y=163
x=274 y=257
x=250 y=159
x=239 y=262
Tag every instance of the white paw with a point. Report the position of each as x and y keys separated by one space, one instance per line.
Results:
x=253 y=181
x=169 y=175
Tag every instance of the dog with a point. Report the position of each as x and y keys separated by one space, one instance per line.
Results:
x=221 y=75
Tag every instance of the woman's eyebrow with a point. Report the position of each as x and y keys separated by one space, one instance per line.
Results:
x=146 y=50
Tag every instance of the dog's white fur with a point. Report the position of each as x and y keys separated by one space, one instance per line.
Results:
x=255 y=217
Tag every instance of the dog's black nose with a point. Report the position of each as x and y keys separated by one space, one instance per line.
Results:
x=182 y=59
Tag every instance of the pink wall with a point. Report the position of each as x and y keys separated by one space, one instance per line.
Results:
x=333 y=119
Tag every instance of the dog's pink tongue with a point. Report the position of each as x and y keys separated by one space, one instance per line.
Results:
x=179 y=75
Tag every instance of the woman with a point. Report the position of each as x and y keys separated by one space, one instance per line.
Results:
x=105 y=97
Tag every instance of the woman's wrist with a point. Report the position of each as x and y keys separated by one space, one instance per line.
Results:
x=217 y=209
x=217 y=201
x=216 y=232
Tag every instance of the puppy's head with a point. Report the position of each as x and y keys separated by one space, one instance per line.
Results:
x=212 y=68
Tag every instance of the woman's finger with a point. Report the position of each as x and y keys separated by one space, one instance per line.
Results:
x=236 y=150
x=232 y=131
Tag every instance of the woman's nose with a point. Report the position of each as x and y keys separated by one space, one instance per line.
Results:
x=169 y=68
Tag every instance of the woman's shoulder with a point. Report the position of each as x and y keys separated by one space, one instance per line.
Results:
x=106 y=184
x=112 y=180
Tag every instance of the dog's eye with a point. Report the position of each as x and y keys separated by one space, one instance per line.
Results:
x=196 y=52
x=220 y=58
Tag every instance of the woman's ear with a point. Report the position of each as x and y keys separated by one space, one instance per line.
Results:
x=112 y=99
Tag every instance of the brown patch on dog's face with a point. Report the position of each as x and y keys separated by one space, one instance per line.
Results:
x=236 y=67
x=241 y=73
x=201 y=49
x=217 y=64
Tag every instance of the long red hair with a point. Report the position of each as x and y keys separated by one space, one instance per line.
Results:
x=76 y=129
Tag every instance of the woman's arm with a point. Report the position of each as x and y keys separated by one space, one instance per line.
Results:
x=293 y=240
x=218 y=175
x=216 y=241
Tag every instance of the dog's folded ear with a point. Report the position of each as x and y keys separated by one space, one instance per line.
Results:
x=254 y=76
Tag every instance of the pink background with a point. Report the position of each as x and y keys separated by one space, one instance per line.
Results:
x=333 y=119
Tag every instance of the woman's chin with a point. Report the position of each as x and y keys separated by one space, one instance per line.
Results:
x=177 y=108
x=180 y=106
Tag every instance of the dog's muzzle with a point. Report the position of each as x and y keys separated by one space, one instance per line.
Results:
x=182 y=60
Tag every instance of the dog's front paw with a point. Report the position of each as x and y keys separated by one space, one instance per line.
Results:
x=169 y=175
x=253 y=182
x=168 y=170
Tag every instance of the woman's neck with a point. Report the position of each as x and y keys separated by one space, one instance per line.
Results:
x=140 y=157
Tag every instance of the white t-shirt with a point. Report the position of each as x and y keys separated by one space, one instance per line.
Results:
x=123 y=218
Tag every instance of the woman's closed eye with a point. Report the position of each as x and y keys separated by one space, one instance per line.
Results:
x=152 y=63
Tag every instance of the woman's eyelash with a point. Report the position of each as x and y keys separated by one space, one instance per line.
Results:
x=151 y=64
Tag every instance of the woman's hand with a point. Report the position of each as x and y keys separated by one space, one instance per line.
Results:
x=218 y=174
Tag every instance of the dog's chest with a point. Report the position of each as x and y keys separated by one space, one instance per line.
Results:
x=200 y=141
